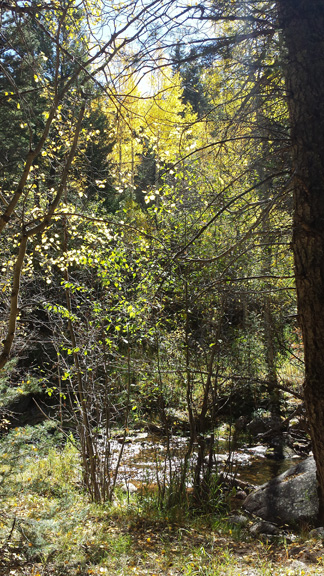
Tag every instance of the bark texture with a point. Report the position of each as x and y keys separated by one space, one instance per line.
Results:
x=302 y=23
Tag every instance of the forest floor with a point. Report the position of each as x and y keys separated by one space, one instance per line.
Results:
x=138 y=545
x=48 y=526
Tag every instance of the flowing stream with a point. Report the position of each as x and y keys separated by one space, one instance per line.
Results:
x=150 y=460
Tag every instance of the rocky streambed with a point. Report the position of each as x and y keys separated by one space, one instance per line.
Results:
x=149 y=459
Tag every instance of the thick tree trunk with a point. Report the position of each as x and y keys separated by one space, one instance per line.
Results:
x=302 y=23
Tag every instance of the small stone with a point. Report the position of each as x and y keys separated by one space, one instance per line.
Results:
x=296 y=551
x=296 y=565
x=238 y=520
x=128 y=487
x=263 y=527
x=317 y=532
x=241 y=495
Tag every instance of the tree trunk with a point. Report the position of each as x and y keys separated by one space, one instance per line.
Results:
x=302 y=23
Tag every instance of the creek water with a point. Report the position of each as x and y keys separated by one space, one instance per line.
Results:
x=151 y=460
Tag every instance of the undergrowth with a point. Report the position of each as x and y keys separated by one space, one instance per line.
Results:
x=48 y=526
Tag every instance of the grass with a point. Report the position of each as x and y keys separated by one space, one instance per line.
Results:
x=48 y=526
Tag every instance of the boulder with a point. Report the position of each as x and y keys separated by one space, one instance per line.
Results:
x=26 y=409
x=290 y=498
x=259 y=426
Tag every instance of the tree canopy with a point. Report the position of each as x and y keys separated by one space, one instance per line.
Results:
x=158 y=161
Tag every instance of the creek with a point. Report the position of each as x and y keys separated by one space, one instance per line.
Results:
x=151 y=460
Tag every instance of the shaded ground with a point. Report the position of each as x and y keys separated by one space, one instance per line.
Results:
x=110 y=544
x=48 y=526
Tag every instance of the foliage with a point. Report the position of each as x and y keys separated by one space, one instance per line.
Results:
x=146 y=271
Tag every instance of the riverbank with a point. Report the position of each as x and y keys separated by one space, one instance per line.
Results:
x=48 y=526
x=75 y=538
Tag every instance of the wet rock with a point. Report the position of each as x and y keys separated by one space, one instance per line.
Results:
x=290 y=498
x=259 y=451
x=264 y=527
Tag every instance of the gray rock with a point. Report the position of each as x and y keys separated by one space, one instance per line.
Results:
x=128 y=487
x=317 y=533
x=288 y=499
x=258 y=426
x=241 y=495
x=238 y=520
x=264 y=527
x=297 y=565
